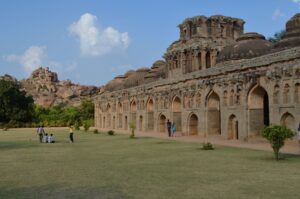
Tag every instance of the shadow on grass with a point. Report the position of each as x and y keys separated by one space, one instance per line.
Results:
x=17 y=145
x=62 y=192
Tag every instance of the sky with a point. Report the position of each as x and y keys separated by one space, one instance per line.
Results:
x=92 y=41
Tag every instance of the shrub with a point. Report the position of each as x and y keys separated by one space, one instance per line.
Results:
x=110 y=132
x=96 y=131
x=207 y=146
x=276 y=135
x=86 y=125
x=132 y=126
x=77 y=126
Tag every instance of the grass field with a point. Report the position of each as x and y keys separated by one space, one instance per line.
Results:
x=102 y=166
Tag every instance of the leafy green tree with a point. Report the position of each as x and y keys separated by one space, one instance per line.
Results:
x=277 y=36
x=277 y=134
x=86 y=110
x=132 y=126
x=14 y=104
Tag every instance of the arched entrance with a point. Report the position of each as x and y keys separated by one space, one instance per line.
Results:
x=162 y=124
x=114 y=122
x=176 y=109
x=193 y=125
x=150 y=115
x=141 y=123
x=133 y=109
x=213 y=114
x=288 y=120
x=120 y=115
x=126 y=122
x=104 y=124
x=258 y=105
x=233 y=129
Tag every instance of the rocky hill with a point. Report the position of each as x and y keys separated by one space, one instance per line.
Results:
x=45 y=88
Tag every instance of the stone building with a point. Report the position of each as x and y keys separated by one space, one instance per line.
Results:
x=215 y=80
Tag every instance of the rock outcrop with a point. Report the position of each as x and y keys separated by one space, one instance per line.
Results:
x=45 y=88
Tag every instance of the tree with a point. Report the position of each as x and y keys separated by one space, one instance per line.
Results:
x=86 y=110
x=132 y=126
x=277 y=36
x=276 y=135
x=14 y=104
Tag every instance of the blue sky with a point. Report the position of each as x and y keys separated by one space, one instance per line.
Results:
x=92 y=41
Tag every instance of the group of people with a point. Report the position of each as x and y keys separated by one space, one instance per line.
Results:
x=171 y=128
x=44 y=137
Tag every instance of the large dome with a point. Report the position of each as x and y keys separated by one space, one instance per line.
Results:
x=248 y=45
x=291 y=37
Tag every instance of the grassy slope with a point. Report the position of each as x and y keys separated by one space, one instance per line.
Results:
x=101 y=166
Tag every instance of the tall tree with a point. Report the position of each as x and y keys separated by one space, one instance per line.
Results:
x=14 y=104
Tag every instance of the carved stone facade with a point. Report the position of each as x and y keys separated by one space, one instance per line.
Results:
x=215 y=80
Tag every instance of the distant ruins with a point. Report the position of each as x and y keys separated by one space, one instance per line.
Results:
x=215 y=80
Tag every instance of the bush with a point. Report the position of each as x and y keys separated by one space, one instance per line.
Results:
x=207 y=146
x=77 y=126
x=110 y=132
x=86 y=125
x=132 y=126
x=277 y=134
x=96 y=131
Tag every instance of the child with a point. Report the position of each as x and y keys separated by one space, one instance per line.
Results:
x=71 y=134
x=51 y=139
x=45 y=138
x=173 y=128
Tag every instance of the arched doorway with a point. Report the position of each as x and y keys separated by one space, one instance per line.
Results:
x=120 y=115
x=133 y=109
x=176 y=109
x=114 y=122
x=126 y=122
x=141 y=123
x=193 y=125
x=104 y=125
x=150 y=115
x=213 y=114
x=288 y=120
x=233 y=129
x=162 y=124
x=258 y=105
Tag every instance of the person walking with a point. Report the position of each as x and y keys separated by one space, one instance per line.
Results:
x=173 y=128
x=71 y=134
x=169 y=127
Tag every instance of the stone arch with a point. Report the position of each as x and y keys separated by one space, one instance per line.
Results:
x=141 y=123
x=104 y=120
x=176 y=110
x=133 y=109
x=258 y=109
x=297 y=93
x=126 y=122
x=150 y=115
x=233 y=128
x=108 y=108
x=114 y=122
x=199 y=57
x=288 y=120
x=208 y=60
x=193 y=124
x=213 y=113
x=286 y=94
x=162 y=123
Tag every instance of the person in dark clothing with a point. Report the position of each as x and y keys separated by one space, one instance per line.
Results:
x=169 y=127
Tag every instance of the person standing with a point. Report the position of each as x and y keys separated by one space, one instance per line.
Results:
x=169 y=127
x=173 y=128
x=40 y=131
x=299 y=133
x=71 y=134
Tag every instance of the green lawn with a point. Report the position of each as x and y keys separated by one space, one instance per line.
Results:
x=102 y=166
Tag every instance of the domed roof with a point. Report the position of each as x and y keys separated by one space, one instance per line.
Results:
x=291 y=37
x=248 y=45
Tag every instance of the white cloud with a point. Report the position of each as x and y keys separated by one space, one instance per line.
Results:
x=277 y=14
x=95 y=41
x=31 y=59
